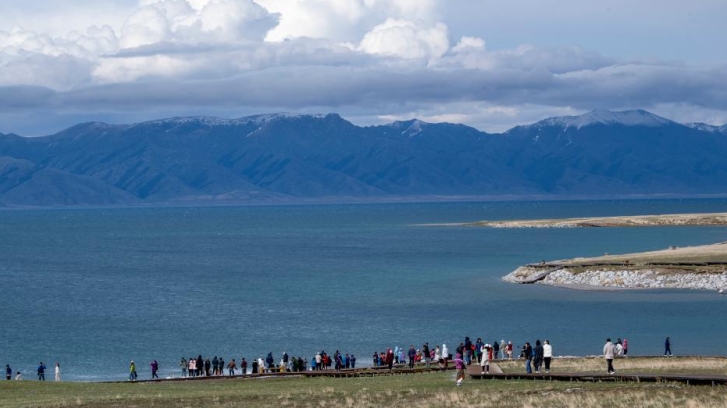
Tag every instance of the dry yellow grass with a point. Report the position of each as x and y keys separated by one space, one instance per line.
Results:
x=412 y=391
x=655 y=365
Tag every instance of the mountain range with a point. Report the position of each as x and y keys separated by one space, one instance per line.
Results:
x=282 y=158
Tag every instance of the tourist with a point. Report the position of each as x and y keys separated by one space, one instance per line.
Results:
x=243 y=366
x=509 y=350
x=132 y=371
x=57 y=372
x=667 y=347
x=467 y=351
x=183 y=366
x=445 y=356
x=503 y=349
x=231 y=367
x=221 y=366
x=495 y=349
x=426 y=353
x=412 y=354
x=528 y=356
x=390 y=358
x=626 y=347
x=347 y=361
x=41 y=371
x=479 y=344
x=207 y=366
x=18 y=376
x=608 y=352
x=460 y=365
x=538 y=354
x=200 y=365
x=485 y=360
x=270 y=362
x=438 y=356
x=260 y=365
x=8 y=372
x=285 y=358
x=215 y=366
x=154 y=367
x=619 y=348
x=547 y=355
x=353 y=361
x=254 y=367
x=192 y=367
x=319 y=359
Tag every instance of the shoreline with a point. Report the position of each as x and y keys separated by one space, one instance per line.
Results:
x=661 y=220
x=699 y=268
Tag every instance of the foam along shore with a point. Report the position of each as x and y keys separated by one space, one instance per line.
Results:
x=697 y=267
x=621 y=221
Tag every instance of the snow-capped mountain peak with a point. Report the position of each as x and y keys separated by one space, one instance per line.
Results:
x=605 y=117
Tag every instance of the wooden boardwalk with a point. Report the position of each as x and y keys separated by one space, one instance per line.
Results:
x=475 y=372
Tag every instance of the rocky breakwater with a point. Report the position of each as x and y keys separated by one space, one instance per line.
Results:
x=647 y=278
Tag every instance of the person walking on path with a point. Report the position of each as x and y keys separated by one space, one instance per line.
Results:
x=667 y=347
x=41 y=371
x=509 y=350
x=460 y=365
x=132 y=371
x=626 y=347
x=608 y=353
x=8 y=372
x=547 y=355
x=58 y=372
x=503 y=349
x=154 y=367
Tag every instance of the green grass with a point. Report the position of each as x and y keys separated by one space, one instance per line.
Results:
x=419 y=390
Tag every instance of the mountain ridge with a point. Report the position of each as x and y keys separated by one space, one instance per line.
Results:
x=290 y=157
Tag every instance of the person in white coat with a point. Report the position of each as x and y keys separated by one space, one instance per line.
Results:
x=547 y=355
x=58 y=372
x=485 y=362
x=608 y=352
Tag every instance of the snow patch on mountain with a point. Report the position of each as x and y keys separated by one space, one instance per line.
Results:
x=703 y=127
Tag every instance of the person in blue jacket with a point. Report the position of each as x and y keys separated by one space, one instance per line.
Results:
x=41 y=371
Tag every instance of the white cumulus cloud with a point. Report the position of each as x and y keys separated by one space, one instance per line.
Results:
x=406 y=39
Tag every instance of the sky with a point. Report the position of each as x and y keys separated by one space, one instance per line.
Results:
x=488 y=64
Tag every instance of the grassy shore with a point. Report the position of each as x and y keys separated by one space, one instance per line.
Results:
x=418 y=390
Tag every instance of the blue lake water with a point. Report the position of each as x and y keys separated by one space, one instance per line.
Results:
x=95 y=288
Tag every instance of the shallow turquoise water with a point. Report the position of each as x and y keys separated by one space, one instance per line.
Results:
x=95 y=288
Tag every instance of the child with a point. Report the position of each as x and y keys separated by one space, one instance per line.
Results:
x=459 y=363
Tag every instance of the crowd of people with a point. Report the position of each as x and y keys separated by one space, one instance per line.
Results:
x=536 y=358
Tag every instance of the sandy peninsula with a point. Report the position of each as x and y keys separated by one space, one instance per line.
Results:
x=697 y=267
x=623 y=221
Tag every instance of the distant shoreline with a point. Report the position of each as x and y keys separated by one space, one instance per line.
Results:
x=699 y=267
x=662 y=220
